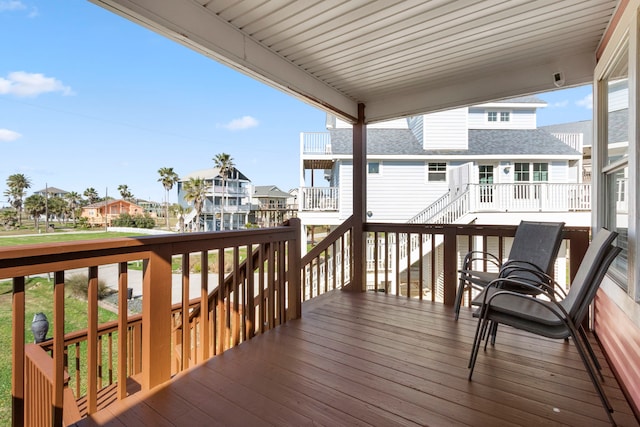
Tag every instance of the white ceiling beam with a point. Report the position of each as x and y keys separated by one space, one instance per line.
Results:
x=196 y=27
x=518 y=80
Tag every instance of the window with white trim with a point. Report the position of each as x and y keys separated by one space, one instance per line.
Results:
x=541 y=172
x=373 y=167
x=437 y=172
x=492 y=116
x=505 y=116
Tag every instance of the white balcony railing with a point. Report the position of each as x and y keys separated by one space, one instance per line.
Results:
x=316 y=143
x=531 y=197
x=319 y=198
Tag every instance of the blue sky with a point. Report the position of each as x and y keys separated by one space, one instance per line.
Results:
x=89 y=99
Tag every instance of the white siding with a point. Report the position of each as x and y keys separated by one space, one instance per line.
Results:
x=416 y=124
x=558 y=171
x=446 y=129
x=460 y=176
x=519 y=118
x=400 y=191
x=504 y=174
x=618 y=97
x=346 y=188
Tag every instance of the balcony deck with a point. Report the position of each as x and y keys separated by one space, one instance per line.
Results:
x=372 y=359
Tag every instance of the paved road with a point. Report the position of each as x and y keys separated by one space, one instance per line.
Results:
x=109 y=273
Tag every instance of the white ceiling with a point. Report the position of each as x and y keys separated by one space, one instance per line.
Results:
x=396 y=57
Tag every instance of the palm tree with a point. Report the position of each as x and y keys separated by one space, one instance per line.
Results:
x=179 y=211
x=195 y=191
x=35 y=205
x=224 y=162
x=125 y=193
x=73 y=200
x=8 y=218
x=168 y=178
x=17 y=184
x=92 y=195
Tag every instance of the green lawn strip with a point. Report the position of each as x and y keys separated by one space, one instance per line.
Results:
x=39 y=298
x=194 y=261
x=60 y=237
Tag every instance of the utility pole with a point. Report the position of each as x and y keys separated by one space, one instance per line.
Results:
x=46 y=207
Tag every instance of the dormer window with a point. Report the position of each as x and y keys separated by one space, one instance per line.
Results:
x=495 y=116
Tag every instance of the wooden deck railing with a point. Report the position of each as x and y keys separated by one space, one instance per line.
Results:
x=415 y=260
x=153 y=343
x=258 y=291
x=329 y=265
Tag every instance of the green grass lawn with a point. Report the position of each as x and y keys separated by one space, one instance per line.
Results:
x=59 y=237
x=38 y=298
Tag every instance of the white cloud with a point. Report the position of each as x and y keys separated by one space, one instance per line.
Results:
x=560 y=104
x=244 y=122
x=586 y=102
x=11 y=5
x=7 y=135
x=23 y=84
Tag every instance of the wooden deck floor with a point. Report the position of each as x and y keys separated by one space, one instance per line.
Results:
x=371 y=359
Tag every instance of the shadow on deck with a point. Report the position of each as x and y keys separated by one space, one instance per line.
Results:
x=372 y=359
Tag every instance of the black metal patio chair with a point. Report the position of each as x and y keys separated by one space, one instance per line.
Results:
x=534 y=250
x=554 y=316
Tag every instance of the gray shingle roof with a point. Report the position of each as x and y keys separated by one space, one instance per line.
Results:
x=585 y=127
x=379 y=141
x=481 y=142
x=269 y=191
x=618 y=127
x=516 y=141
x=523 y=100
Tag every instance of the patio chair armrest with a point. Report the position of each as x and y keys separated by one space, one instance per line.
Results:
x=472 y=256
x=511 y=269
x=540 y=287
x=553 y=306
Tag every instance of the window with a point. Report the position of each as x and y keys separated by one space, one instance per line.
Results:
x=492 y=116
x=505 y=116
x=541 y=172
x=521 y=176
x=521 y=172
x=373 y=167
x=615 y=100
x=437 y=172
x=485 y=178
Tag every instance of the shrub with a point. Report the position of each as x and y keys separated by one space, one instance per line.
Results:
x=137 y=221
x=77 y=285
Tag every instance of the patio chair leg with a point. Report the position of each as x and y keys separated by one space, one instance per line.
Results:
x=459 y=296
x=585 y=340
x=480 y=331
x=594 y=379
x=494 y=332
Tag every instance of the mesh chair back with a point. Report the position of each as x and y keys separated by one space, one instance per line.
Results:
x=592 y=269
x=537 y=243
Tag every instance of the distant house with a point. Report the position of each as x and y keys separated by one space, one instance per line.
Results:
x=492 y=155
x=52 y=192
x=270 y=206
x=103 y=213
x=153 y=208
x=233 y=200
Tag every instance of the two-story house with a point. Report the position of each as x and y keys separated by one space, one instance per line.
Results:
x=493 y=153
x=103 y=213
x=226 y=207
x=270 y=206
